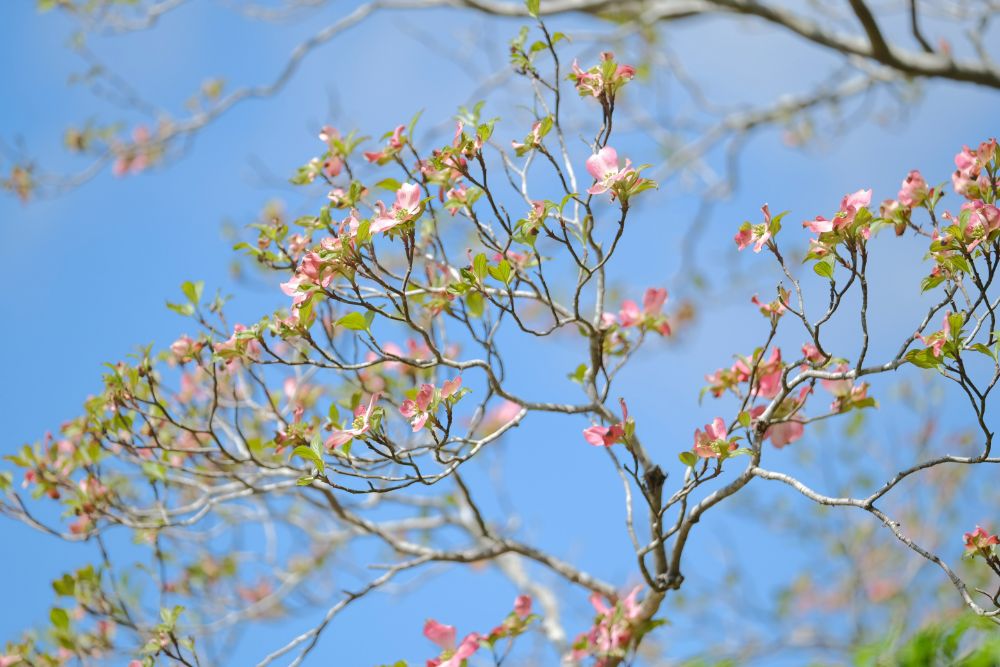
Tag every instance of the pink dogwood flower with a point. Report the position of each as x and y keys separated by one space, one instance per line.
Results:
x=361 y=425
x=603 y=166
x=649 y=316
x=706 y=444
x=605 y=436
x=850 y=205
x=395 y=144
x=914 y=191
x=444 y=636
x=602 y=80
x=522 y=605
x=980 y=542
x=439 y=633
x=613 y=629
x=406 y=208
x=758 y=234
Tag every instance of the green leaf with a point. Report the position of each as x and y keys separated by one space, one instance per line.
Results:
x=316 y=445
x=744 y=419
x=193 y=291
x=59 y=618
x=184 y=309
x=65 y=585
x=479 y=266
x=982 y=349
x=308 y=454
x=501 y=271
x=688 y=458
x=533 y=7
x=305 y=481
x=353 y=321
x=390 y=184
x=824 y=268
x=475 y=303
x=579 y=374
x=364 y=232
x=923 y=358
x=955 y=322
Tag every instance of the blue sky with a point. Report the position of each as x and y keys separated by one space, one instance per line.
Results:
x=86 y=273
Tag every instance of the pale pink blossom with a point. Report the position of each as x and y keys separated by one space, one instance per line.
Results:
x=406 y=208
x=603 y=166
x=449 y=387
x=914 y=190
x=758 y=234
x=522 y=605
x=714 y=432
x=361 y=425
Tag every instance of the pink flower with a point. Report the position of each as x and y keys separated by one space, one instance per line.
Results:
x=935 y=342
x=328 y=134
x=457 y=194
x=653 y=300
x=979 y=541
x=838 y=387
x=853 y=203
x=629 y=314
x=9 y=660
x=417 y=410
x=970 y=179
x=649 y=317
x=183 y=348
x=603 y=166
x=361 y=425
x=444 y=637
x=605 y=436
x=465 y=650
x=758 y=234
x=819 y=226
x=440 y=634
x=612 y=631
x=784 y=433
x=522 y=605
x=714 y=433
x=984 y=219
x=812 y=353
x=406 y=208
x=914 y=190
x=850 y=205
x=597 y=82
x=451 y=386
x=390 y=151
x=774 y=309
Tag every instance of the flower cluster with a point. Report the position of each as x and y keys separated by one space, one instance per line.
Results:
x=613 y=632
x=455 y=654
x=647 y=318
x=763 y=376
x=976 y=174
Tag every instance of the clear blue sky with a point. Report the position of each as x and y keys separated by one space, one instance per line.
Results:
x=85 y=275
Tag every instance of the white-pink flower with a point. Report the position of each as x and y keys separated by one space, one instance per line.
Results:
x=603 y=166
